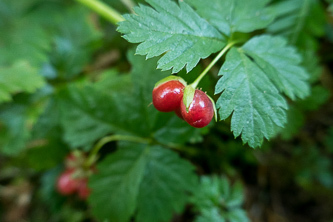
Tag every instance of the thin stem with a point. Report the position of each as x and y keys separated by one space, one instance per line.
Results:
x=129 y=4
x=224 y=50
x=104 y=10
x=107 y=139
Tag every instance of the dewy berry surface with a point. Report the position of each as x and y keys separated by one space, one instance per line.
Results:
x=168 y=95
x=200 y=112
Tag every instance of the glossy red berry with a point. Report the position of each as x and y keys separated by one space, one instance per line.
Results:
x=83 y=190
x=200 y=111
x=167 y=96
x=179 y=112
x=66 y=184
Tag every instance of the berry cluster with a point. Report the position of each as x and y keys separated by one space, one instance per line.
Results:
x=75 y=177
x=168 y=96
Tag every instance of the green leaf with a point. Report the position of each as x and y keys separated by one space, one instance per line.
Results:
x=237 y=215
x=116 y=185
x=280 y=63
x=164 y=188
x=210 y=215
x=20 y=77
x=298 y=20
x=258 y=108
x=13 y=130
x=176 y=31
x=216 y=200
x=152 y=181
x=235 y=15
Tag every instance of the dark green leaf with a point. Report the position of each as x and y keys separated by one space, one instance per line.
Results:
x=235 y=15
x=152 y=180
x=176 y=31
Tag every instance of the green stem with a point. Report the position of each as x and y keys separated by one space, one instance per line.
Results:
x=224 y=50
x=129 y=4
x=107 y=139
x=104 y=10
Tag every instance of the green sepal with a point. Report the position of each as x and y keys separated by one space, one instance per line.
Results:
x=170 y=78
x=214 y=107
x=188 y=96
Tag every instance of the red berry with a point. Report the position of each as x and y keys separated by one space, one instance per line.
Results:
x=83 y=189
x=167 y=96
x=179 y=113
x=200 y=111
x=66 y=184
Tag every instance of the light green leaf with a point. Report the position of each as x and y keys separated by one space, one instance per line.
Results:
x=116 y=185
x=152 y=181
x=280 y=63
x=176 y=31
x=20 y=77
x=164 y=188
x=235 y=15
x=258 y=108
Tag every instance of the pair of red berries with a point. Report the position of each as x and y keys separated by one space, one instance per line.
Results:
x=74 y=179
x=168 y=96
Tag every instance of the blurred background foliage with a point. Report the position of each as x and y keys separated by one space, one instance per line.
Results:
x=67 y=79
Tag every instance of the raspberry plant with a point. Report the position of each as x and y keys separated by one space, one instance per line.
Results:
x=79 y=77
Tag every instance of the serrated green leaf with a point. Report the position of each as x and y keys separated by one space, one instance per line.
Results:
x=164 y=188
x=20 y=77
x=235 y=15
x=116 y=185
x=151 y=180
x=258 y=108
x=280 y=63
x=176 y=31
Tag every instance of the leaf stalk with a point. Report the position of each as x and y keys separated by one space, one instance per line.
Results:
x=223 y=51
x=103 y=10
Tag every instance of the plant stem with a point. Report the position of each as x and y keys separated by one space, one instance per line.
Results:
x=224 y=50
x=103 y=10
x=107 y=139
x=129 y=4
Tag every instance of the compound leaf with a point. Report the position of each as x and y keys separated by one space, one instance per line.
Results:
x=150 y=180
x=116 y=185
x=164 y=186
x=176 y=31
x=258 y=108
x=280 y=63
x=235 y=15
x=20 y=77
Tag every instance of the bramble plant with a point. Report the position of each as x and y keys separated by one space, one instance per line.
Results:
x=111 y=105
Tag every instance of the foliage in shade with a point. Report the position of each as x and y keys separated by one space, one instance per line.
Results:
x=216 y=200
x=235 y=15
x=176 y=31
x=20 y=77
x=149 y=179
